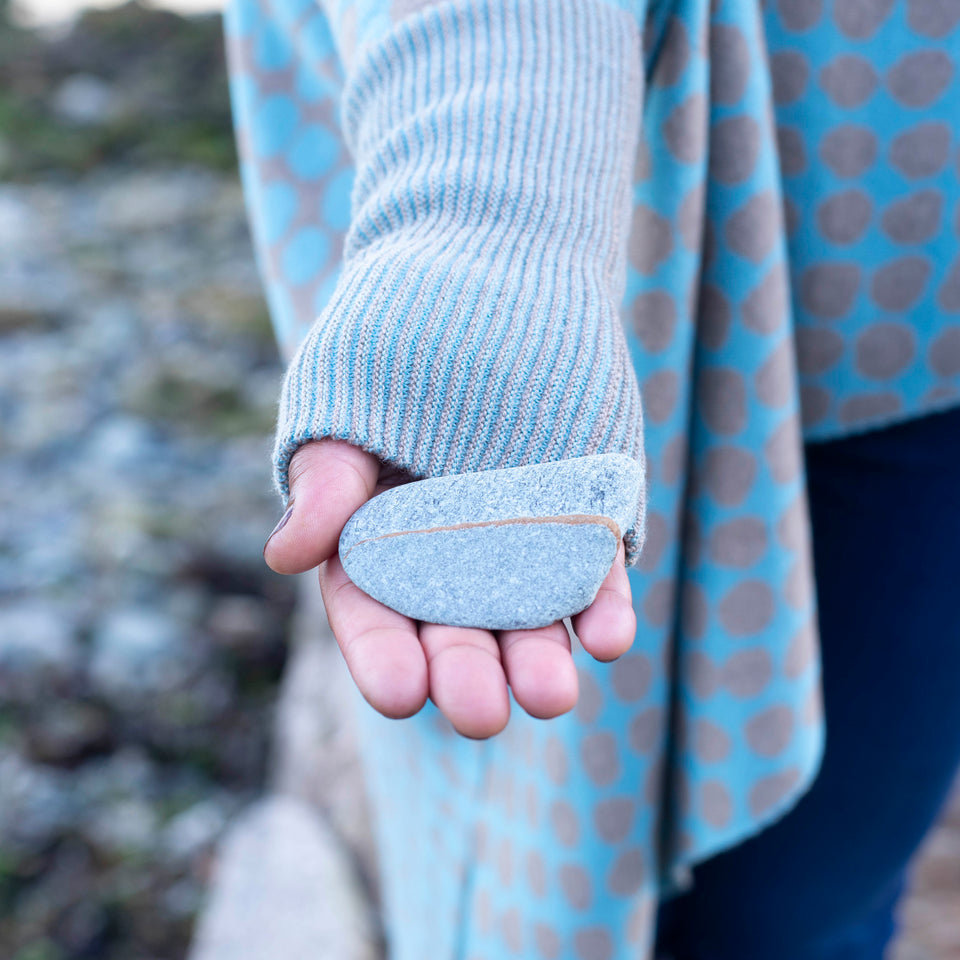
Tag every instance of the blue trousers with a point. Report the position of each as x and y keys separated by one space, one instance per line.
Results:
x=822 y=882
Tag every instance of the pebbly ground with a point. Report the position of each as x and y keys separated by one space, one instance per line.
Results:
x=141 y=636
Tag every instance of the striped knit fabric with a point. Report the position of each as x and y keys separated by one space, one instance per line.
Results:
x=475 y=323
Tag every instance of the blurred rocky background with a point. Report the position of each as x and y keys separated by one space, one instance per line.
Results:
x=141 y=636
x=142 y=640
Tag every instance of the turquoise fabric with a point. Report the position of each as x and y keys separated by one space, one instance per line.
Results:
x=792 y=273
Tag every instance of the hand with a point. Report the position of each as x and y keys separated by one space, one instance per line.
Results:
x=397 y=662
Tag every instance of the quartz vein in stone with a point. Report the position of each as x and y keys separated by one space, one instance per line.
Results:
x=500 y=549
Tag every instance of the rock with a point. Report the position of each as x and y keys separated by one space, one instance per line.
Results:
x=284 y=887
x=138 y=649
x=67 y=731
x=193 y=830
x=36 y=638
x=500 y=549
x=85 y=100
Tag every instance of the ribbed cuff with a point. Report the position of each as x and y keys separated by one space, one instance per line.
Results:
x=475 y=324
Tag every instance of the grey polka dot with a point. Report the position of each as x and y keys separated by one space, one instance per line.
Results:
x=802 y=651
x=658 y=536
x=793 y=524
x=627 y=873
x=658 y=603
x=710 y=742
x=734 y=147
x=651 y=239
x=899 y=284
x=915 y=218
x=714 y=317
x=505 y=862
x=722 y=397
x=860 y=19
x=769 y=732
x=844 y=217
x=575 y=884
x=933 y=18
x=660 y=392
x=815 y=403
x=590 y=701
x=673 y=55
x=654 y=319
x=944 y=355
x=692 y=540
x=918 y=79
x=555 y=760
x=483 y=842
x=632 y=676
x=593 y=943
x=849 y=80
x=948 y=296
x=531 y=805
x=702 y=675
x=811 y=713
x=792 y=151
x=939 y=394
x=765 y=309
x=769 y=793
x=791 y=216
x=511 y=929
x=868 y=406
x=783 y=452
x=536 y=873
x=484 y=912
x=673 y=460
x=791 y=71
x=849 y=150
x=645 y=730
x=640 y=923
x=613 y=819
x=684 y=130
x=885 y=349
x=746 y=674
x=818 y=349
x=798 y=585
x=690 y=218
x=598 y=754
x=799 y=15
x=547 y=941
x=729 y=64
x=563 y=820
x=752 y=230
x=827 y=289
x=729 y=473
x=746 y=608
x=774 y=381
x=716 y=804
x=642 y=167
x=921 y=151
x=739 y=543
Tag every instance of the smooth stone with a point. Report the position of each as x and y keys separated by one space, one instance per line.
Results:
x=504 y=549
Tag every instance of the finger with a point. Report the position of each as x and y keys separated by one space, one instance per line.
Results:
x=329 y=480
x=608 y=626
x=466 y=678
x=380 y=645
x=540 y=669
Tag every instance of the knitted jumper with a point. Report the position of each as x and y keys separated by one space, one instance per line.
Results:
x=475 y=324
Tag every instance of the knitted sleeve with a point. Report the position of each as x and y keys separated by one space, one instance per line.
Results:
x=475 y=324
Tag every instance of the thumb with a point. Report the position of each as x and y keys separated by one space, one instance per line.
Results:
x=329 y=480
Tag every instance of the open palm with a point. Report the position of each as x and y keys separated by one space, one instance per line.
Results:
x=397 y=662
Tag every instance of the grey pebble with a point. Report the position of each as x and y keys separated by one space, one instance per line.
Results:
x=504 y=549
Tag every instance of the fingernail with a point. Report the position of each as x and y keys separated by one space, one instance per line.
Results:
x=280 y=525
